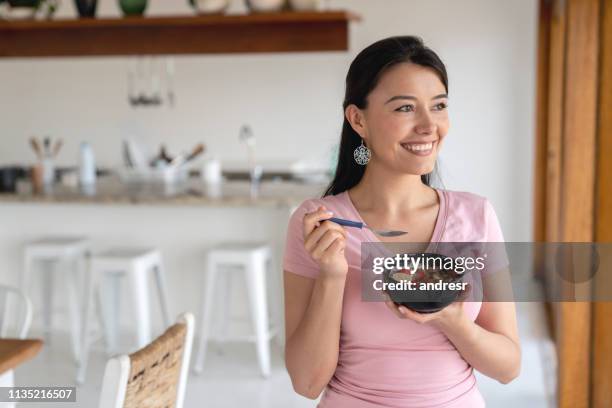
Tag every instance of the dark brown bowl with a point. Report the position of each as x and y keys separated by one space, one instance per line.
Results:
x=424 y=301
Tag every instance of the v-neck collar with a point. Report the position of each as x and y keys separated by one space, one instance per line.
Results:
x=438 y=227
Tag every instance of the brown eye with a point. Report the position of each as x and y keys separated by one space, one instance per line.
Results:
x=440 y=106
x=405 y=108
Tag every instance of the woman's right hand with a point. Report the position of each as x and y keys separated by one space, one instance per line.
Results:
x=325 y=241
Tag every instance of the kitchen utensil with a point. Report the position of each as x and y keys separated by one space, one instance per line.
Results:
x=154 y=72
x=132 y=82
x=127 y=159
x=145 y=75
x=36 y=147
x=184 y=158
x=256 y=173
x=358 y=224
x=57 y=146
x=246 y=135
x=195 y=152
x=162 y=158
x=170 y=80
x=134 y=155
x=47 y=146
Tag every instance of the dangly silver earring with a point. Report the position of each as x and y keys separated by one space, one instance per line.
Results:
x=362 y=154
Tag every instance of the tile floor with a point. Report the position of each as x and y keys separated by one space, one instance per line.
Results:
x=231 y=378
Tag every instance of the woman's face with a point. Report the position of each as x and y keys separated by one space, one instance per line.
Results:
x=406 y=119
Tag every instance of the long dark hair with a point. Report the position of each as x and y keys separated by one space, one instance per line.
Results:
x=363 y=75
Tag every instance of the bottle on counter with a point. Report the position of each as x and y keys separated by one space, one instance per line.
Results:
x=87 y=165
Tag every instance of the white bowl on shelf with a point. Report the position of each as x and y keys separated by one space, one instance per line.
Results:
x=210 y=6
x=265 y=5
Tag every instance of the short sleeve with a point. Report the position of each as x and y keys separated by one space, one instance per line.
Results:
x=493 y=229
x=494 y=238
x=295 y=258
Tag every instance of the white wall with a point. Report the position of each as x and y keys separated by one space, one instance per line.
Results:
x=293 y=101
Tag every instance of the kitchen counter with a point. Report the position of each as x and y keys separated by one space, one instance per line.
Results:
x=110 y=190
x=182 y=221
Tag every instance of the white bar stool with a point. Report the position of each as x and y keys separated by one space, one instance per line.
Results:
x=253 y=259
x=111 y=266
x=58 y=254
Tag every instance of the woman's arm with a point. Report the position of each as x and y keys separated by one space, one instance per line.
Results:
x=313 y=307
x=491 y=343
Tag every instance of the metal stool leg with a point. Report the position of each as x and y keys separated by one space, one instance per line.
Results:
x=91 y=283
x=110 y=295
x=162 y=292
x=207 y=304
x=140 y=296
x=256 y=281
x=69 y=280
x=47 y=296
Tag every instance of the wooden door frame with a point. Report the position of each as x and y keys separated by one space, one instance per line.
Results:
x=572 y=197
x=602 y=311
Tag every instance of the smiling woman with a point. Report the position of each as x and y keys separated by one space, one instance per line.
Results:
x=373 y=82
x=373 y=354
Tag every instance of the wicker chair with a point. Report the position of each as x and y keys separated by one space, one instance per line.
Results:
x=154 y=376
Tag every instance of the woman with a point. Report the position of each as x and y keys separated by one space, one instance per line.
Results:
x=370 y=354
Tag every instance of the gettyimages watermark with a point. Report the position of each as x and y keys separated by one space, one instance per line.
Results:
x=435 y=274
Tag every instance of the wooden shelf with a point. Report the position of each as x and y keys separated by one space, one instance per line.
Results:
x=249 y=33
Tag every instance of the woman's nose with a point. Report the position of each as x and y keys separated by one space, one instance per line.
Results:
x=425 y=125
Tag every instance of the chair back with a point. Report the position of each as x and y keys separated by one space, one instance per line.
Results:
x=15 y=313
x=154 y=376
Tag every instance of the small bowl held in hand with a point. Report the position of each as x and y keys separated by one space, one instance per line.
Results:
x=424 y=301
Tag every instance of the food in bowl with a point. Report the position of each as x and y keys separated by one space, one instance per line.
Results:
x=424 y=290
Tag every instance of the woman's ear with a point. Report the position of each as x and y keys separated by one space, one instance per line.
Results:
x=356 y=119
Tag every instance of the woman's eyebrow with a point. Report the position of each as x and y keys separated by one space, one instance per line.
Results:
x=410 y=97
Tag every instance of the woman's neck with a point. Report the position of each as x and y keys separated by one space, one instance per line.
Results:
x=389 y=194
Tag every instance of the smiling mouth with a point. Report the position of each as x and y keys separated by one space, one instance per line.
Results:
x=419 y=149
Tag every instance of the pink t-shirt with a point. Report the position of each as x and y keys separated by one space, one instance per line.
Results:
x=385 y=361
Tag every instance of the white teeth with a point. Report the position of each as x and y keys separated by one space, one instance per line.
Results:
x=418 y=147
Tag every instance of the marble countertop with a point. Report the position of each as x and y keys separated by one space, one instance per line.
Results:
x=110 y=190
